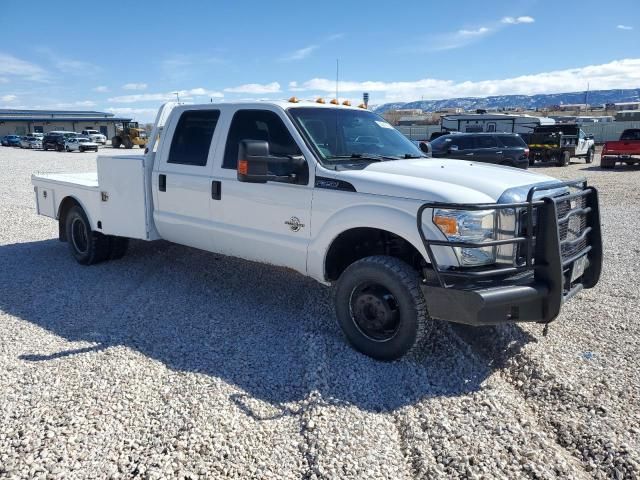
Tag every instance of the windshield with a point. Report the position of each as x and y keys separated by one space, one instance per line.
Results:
x=345 y=134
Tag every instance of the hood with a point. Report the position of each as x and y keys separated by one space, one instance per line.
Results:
x=444 y=180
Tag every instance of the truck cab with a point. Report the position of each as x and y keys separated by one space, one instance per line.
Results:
x=336 y=193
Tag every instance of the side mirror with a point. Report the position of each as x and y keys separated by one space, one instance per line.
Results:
x=254 y=161
x=452 y=148
x=424 y=147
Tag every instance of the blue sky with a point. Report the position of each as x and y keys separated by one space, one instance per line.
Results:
x=129 y=59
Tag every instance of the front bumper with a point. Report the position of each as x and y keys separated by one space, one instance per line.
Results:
x=562 y=255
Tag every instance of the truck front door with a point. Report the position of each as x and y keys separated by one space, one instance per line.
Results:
x=265 y=222
x=182 y=179
x=581 y=148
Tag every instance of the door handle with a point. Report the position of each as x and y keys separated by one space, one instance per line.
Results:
x=499 y=153
x=216 y=190
x=469 y=154
x=162 y=182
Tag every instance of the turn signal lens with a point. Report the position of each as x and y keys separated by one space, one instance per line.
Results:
x=243 y=167
x=448 y=225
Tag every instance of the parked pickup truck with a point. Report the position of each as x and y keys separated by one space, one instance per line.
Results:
x=404 y=239
x=559 y=143
x=626 y=150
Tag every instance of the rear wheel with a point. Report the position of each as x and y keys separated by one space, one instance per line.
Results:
x=86 y=246
x=607 y=163
x=127 y=143
x=60 y=148
x=116 y=142
x=380 y=307
x=565 y=158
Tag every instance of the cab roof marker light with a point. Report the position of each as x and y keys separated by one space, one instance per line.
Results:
x=320 y=100
x=294 y=100
x=346 y=103
x=334 y=102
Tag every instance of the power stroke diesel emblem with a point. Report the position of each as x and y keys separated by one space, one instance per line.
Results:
x=294 y=224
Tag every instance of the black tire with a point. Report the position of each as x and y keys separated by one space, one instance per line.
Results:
x=119 y=246
x=589 y=157
x=387 y=291
x=86 y=246
x=607 y=164
x=127 y=143
x=60 y=148
x=116 y=142
x=564 y=160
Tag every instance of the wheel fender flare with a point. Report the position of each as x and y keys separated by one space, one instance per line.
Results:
x=64 y=204
x=396 y=220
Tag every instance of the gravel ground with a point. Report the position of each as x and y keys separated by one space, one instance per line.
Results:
x=158 y=366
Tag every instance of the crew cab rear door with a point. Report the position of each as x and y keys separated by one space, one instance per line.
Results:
x=182 y=177
x=265 y=222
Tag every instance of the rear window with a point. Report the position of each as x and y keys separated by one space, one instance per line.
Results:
x=630 y=135
x=512 y=141
x=192 y=137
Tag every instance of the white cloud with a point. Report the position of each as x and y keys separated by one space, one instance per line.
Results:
x=624 y=27
x=467 y=36
x=255 y=88
x=9 y=98
x=12 y=66
x=516 y=20
x=299 y=54
x=139 y=114
x=101 y=89
x=471 y=33
x=165 y=97
x=135 y=86
x=617 y=74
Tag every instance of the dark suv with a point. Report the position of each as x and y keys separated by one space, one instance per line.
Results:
x=53 y=141
x=500 y=148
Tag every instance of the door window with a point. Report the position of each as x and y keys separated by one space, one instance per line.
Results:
x=491 y=127
x=463 y=142
x=258 y=125
x=192 y=137
x=486 y=141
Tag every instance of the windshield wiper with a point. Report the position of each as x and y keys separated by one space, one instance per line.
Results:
x=363 y=156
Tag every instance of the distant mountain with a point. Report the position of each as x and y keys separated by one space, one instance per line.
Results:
x=595 y=97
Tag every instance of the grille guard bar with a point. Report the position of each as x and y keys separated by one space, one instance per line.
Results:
x=543 y=245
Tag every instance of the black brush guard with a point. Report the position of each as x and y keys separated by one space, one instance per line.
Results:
x=534 y=289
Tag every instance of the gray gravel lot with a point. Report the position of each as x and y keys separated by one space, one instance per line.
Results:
x=174 y=362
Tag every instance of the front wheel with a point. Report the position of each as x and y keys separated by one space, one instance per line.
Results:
x=589 y=157
x=380 y=307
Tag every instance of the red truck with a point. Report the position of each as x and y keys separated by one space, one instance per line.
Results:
x=626 y=150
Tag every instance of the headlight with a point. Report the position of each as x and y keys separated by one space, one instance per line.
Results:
x=469 y=226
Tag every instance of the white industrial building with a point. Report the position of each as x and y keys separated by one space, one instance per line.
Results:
x=21 y=122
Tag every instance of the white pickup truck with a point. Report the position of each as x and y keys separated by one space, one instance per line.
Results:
x=336 y=193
